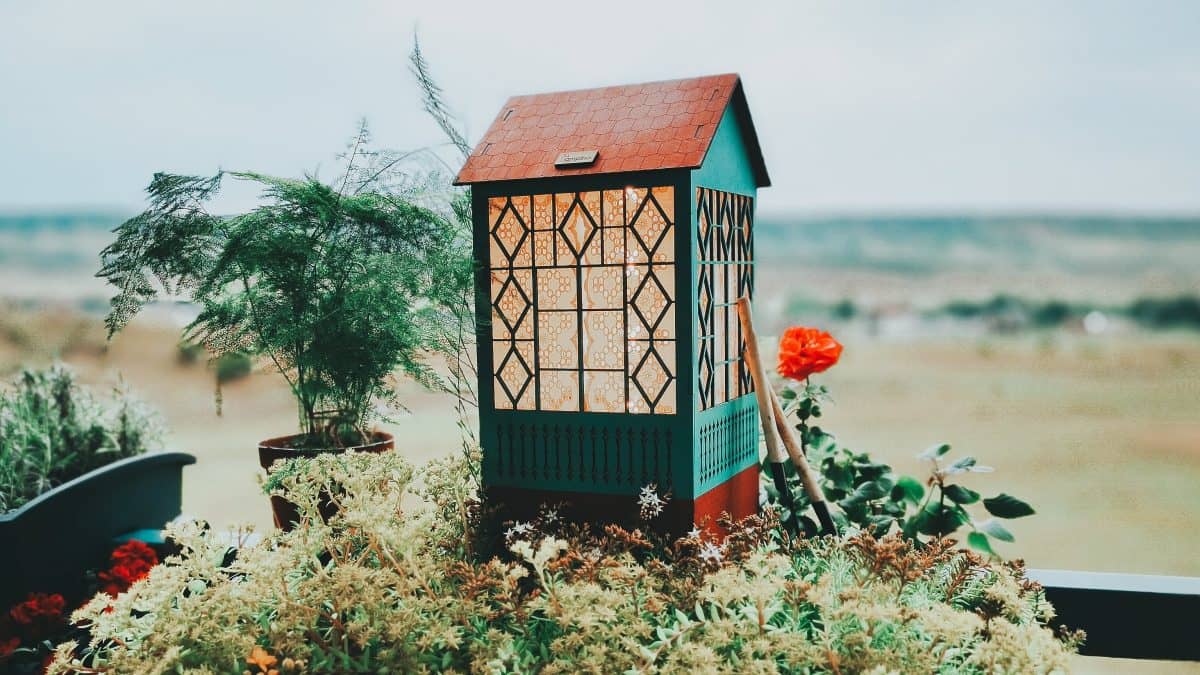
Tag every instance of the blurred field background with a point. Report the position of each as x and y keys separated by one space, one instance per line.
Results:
x=1061 y=350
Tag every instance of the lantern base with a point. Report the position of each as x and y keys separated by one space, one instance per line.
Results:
x=737 y=496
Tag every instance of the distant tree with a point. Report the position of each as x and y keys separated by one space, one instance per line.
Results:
x=1001 y=303
x=844 y=310
x=963 y=309
x=1179 y=312
x=1051 y=313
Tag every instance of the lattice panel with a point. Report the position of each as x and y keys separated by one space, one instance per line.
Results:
x=582 y=456
x=730 y=441
x=583 y=306
x=725 y=251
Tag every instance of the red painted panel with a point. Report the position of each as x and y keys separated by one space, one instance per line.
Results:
x=737 y=496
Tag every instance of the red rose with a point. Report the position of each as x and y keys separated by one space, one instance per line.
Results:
x=804 y=351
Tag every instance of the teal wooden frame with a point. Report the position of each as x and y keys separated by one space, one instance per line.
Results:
x=726 y=168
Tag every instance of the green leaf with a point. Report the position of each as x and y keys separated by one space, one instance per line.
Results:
x=979 y=542
x=941 y=521
x=908 y=489
x=871 y=470
x=880 y=524
x=993 y=527
x=1007 y=506
x=855 y=511
x=960 y=466
x=840 y=475
x=913 y=524
x=870 y=490
x=960 y=495
x=934 y=451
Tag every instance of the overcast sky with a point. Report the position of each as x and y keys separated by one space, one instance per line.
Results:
x=860 y=106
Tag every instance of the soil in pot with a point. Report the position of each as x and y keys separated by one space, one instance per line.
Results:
x=284 y=447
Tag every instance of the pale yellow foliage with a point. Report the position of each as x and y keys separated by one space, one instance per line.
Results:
x=388 y=590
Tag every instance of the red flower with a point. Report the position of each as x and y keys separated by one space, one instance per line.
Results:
x=130 y=562
x=40 y=615
x=804 y=351
x=8 y=646
x=133 y=550
x=119 y=578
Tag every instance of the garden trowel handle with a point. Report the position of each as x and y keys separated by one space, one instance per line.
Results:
x=775 y=453
x=775 y=428
x=807 y=476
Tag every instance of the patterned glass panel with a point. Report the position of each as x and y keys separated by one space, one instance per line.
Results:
x=556 y=289
x=614 y=208
x=602 y=341
x=602 y=288
x=614 y=245
x=560 y=390
x=604 y=391
x=514 y=374
x=512 y=311
x=583 y=307
x=510 y=233
x=558 y=340
x=724 y=248
x=651 y=385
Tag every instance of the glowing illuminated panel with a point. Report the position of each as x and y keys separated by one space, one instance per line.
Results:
x=583 y=306
x=726 y=273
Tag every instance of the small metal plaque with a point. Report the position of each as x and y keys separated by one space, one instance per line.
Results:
x=576 y=158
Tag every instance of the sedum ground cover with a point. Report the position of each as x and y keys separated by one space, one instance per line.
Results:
x=385 y=589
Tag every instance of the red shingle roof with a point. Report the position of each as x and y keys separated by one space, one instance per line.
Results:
x=638 y=127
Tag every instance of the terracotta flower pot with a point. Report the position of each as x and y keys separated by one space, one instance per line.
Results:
x=273 y=449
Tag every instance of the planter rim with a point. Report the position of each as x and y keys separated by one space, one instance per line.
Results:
x=279 y=443
x=157 y=457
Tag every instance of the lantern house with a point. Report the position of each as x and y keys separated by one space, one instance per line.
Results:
x=613 y=229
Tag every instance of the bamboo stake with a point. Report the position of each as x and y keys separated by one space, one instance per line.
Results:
x=807 y=476
x=775 y=455
x=775 y=427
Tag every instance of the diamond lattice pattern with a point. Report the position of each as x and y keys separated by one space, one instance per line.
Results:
x=583 y=306
x=726 y=272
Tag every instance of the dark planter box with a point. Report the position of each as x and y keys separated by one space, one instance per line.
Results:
x=1127 y=616
x=48 y=544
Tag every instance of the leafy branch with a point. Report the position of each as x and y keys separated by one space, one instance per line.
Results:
x=870 y=496
x=336 y=284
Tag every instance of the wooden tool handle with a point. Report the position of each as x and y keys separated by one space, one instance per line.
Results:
x=775 y=426
x=761 y=391
x=807 y=476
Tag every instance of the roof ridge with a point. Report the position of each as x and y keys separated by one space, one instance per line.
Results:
x=560 y=92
